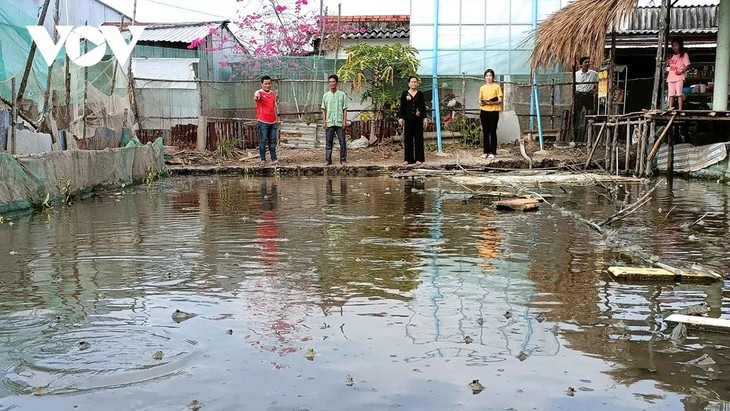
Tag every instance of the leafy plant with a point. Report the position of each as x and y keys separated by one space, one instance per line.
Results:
x=64 y=188
x=471 y=133
x=375 y=68
x=227 y=148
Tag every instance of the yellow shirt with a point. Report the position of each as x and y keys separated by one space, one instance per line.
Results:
x=488 y=91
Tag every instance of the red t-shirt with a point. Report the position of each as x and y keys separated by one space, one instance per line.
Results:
x=266 y=107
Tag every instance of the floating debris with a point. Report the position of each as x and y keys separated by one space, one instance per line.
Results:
x=540 y=317
x=38 y=391
x=507 y=315
x=698 y=309
x=229 y=331
x=703 y=361
x=195 y=405
x=13 y=252
x=679 y=333
x=158 y=355
x=468 y=340
x=309 y=354
x=476 y=387
x=570 y=392
x=180 y=316
x=349 y=382
x=522 y=356
x=83 y=345
x=480 y=321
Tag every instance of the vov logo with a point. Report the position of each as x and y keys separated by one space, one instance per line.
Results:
x=71 y=37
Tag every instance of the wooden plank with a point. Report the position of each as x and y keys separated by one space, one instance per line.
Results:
x=519 y=204
x=701 y=323
x=659 y=274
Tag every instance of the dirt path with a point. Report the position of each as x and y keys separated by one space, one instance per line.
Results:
x=386 y=156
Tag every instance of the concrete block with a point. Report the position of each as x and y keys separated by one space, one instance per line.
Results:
x=29 y=142
x=508 y=128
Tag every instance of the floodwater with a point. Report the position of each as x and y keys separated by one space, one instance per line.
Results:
x=384 y=279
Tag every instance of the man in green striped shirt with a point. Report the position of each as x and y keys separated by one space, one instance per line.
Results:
x=334 y=115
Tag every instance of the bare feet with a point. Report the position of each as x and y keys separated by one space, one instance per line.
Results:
x=418 y=163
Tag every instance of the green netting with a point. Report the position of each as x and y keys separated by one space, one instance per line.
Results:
x=106 y=88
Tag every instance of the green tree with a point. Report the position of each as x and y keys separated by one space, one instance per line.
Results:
x=375 y=69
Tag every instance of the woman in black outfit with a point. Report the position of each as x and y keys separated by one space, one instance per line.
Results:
x=412 y=117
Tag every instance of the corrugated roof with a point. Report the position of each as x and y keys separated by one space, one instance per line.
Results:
x=379 y=33
x=683 y=20
x=395 y=26
x=178 y=33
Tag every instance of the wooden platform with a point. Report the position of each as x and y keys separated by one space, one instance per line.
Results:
x=518 y=204
x=701 y=323
x=659 y=274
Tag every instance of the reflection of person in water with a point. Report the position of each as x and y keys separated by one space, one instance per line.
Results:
x=414 y=204
x=488 y=243
x=267 y=228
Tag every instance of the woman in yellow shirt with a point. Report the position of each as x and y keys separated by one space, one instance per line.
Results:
x=490 y=104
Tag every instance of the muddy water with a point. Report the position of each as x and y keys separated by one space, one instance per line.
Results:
x=383 y=279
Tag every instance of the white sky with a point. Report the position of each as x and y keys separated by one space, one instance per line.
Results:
x=168 y=11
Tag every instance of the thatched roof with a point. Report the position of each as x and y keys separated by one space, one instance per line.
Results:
x=578 y=29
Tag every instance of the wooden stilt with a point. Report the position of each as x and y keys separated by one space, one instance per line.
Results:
x=628 y=147
x=595 y=145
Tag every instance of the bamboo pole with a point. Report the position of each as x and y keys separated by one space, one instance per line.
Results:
x=552 y=104
x=595 y=145
x=642 y=150
x=591 y=124
x=663 y=17
x=658 y=142
x=68 y=92
x=628 y=147
x=49 y=83
x=86 y=91
x=13 y=115
x=670 y=154
x=614 y=148
x=31 y=54
x=611 y=71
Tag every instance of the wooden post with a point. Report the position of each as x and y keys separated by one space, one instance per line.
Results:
x=552 y=104
x=49 y=84
x=614 y=146
x=590 y=133
x=628 y=146
x=640 y=129
x=611 y=70
x=607 y=150
x=595 y=145
x=31 y=54
x=572 y=106
x=663 y=17
x=642 y=150
x=86 y=92
x=133 y=98
x=13 y=115
x=463 y=96
x=68 y=92
x=670 y=153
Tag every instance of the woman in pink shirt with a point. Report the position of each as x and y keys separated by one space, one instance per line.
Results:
x=677 y=65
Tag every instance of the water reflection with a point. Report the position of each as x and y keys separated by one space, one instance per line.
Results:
x=383 y=278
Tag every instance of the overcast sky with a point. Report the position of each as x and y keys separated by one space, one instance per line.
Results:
x=197 y=10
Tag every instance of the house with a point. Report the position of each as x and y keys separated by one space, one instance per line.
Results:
x=371 y=29
x=636 y=48
x=209 y=43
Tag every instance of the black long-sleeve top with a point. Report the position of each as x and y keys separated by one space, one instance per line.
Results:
x=409 y=104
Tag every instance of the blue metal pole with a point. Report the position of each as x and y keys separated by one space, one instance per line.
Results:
x=434 y=74
x=537 y=111
x=532 y=99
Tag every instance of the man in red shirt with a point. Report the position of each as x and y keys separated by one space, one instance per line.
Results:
x=267 y=119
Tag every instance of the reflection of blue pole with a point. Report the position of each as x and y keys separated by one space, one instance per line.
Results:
x=537 y=111
x=434 y=73
x=436 y=236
